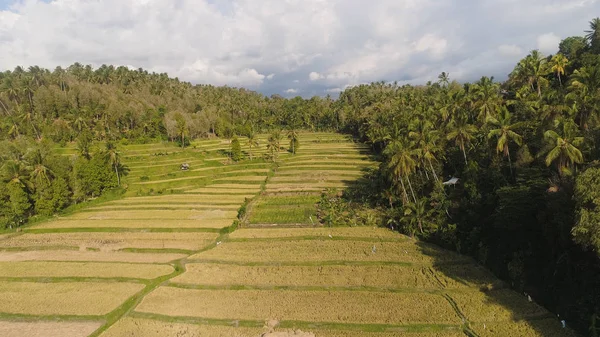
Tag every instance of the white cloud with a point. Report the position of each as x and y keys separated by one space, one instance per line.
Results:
x=245 y=42
x=313 y=76
x=510 y=50
x=548 y=43
x=436 y=46
x=291 y=91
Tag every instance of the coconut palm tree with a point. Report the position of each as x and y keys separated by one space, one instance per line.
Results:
x=504 y=132
x=559 y=62
x=593 y=34
x=563 y=147
x=461 y=132
x=416 y=215
x=584 y=92
x=293 y=137
x=251 y=142
x=113 y=157
x=400 y=164
x=274 y=144
x=486 y=97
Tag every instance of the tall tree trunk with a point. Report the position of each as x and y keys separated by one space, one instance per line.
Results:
x=411 y=189
x=5 y=108
x=405 y=195
x=30 y=101
x=118 y=177
x=559 y=79
x=509 y=161
x=432 y=170
x=464 y=153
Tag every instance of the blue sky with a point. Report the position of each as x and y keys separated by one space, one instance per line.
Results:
x=291 y=47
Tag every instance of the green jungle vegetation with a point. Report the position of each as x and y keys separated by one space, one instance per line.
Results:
x=525 y=152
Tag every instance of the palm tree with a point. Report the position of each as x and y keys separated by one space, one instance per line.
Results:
x=401 y=164
x=40 y=171
x=584 y=92
x=487 y=98
x=113 y=157
x=274 y=144
x=563 y=147
x=531 y=71
x=251 y=142
x=15 y=172
x=461 y=132
x=293 y=137
x=425 y=141
x=559 y=62
x=593 y=34
x=504 y=132
x=417 y=215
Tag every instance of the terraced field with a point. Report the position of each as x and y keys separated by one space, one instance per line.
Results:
x=167 y=259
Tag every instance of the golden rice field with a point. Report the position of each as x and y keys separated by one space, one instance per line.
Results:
x=165 y=260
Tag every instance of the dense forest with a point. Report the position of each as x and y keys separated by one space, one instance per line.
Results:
x=525 y=152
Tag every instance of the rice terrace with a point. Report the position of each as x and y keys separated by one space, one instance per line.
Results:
x=236 y=249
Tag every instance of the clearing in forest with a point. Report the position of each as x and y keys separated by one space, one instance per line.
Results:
x=167 y=259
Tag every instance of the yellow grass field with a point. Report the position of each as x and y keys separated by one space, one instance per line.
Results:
x=362 y=232
x=114 y=241
x=327 y=250
x=132 y=223
x=309 y=306
x=386 y=277
x=68 y=298
x=71 y=255
x=47 y=329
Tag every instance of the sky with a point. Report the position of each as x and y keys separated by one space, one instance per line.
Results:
x=290 y=47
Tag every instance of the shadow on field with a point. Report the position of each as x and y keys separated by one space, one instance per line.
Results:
x=490 y=306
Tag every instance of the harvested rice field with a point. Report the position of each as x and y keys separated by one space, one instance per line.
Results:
x=482 y=307
x=139 y=327
x=166 y=260
x=335 y=232
x=328 y=250
x=47 y=329
x=64 y=298
x=83 y=269
x=137 y=223
x=114 y=241
x=385 y=277
x=155 y=215
x=91 y=256
x=307 y=306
